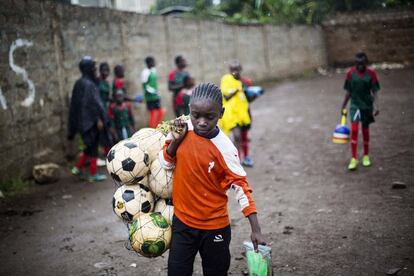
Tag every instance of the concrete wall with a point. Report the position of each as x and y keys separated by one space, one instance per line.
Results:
x=384 y=36
x=42 y=42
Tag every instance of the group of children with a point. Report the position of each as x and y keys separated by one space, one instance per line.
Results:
x=116 y=104
x=201 y=151
x=206 y=163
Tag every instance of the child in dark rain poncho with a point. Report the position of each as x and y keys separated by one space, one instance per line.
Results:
x=87 y=117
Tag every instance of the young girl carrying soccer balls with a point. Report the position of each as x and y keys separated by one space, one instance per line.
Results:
x=206 y=166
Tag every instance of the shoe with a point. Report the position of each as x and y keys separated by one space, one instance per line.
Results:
x=248 y=162
x=75 y=171
x=100 y=162
x=365 y=161
x=352 y=164
x=97 y=177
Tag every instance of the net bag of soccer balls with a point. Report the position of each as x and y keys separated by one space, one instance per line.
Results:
x=143 y=195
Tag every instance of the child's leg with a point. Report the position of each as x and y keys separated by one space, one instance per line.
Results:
x=245 y=142
x=365 y=137
x=152 y=118
x=160 y=116
x=106 y=150
x=82 y=160
x=237 y=138
x=354 y=139
x=93 y=167
x=183 y=249
x=92 y=147
x=214 y=251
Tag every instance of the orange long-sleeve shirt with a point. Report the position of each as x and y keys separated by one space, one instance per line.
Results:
x=204 y=169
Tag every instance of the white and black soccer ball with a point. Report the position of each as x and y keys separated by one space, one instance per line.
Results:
x=127 y=163
x=160 y=180
x=166 y=208
x=130 y=200
x=150 y=140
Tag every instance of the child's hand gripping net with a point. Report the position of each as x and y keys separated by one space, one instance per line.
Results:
x=175 y=126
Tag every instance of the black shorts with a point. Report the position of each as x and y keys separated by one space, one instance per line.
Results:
x=245 y=127
x=154 y=105
x=213 y=246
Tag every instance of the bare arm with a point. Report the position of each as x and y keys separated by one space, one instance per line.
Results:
x=346 y=99
x=376 y=106
x=256 y=235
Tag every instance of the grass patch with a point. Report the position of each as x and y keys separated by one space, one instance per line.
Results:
x=15 y=186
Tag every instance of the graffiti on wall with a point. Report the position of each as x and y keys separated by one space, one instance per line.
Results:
x=20 y=71
x=3 y=102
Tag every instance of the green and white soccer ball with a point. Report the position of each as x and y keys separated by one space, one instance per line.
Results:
x=151 y=140
x=160 y=180
x=150 y=234
x=127 y=163
x=165 y=208
x=130 y=200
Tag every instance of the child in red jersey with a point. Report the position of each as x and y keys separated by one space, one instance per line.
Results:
x=119 y=84
x=206 y=166
x=361 y=85
x=183 y=97
x=176 y=82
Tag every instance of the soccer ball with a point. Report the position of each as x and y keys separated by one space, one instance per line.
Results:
x=150 y=234
x=166 y=208
x=151 y=140
x=127 y=163
x=160 y=180
x=130 y=200
x=145 y=181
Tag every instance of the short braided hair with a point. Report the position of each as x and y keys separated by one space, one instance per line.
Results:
x=207 y=91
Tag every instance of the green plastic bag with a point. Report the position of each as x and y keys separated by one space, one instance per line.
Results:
x=256 y=263
x=259 y=263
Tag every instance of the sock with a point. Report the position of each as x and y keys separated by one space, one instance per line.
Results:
x=354 y=139
x=82 y=160
x=365 y=136
x=245 y=143
x=160 y=115
x=152 y=118
x=92 y=167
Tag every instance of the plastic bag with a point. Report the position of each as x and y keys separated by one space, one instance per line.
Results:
x=258 y=263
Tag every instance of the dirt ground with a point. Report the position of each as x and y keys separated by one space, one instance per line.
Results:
x=319 y=218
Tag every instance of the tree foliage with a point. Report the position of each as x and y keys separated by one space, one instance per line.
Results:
x=280 y=11
x=299 y=11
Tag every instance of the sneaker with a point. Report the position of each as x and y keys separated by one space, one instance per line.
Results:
x=75 y=171
x=100 y=162
x=97 y=177
x=365 y=161
x=352 y=164
x=248 y=162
